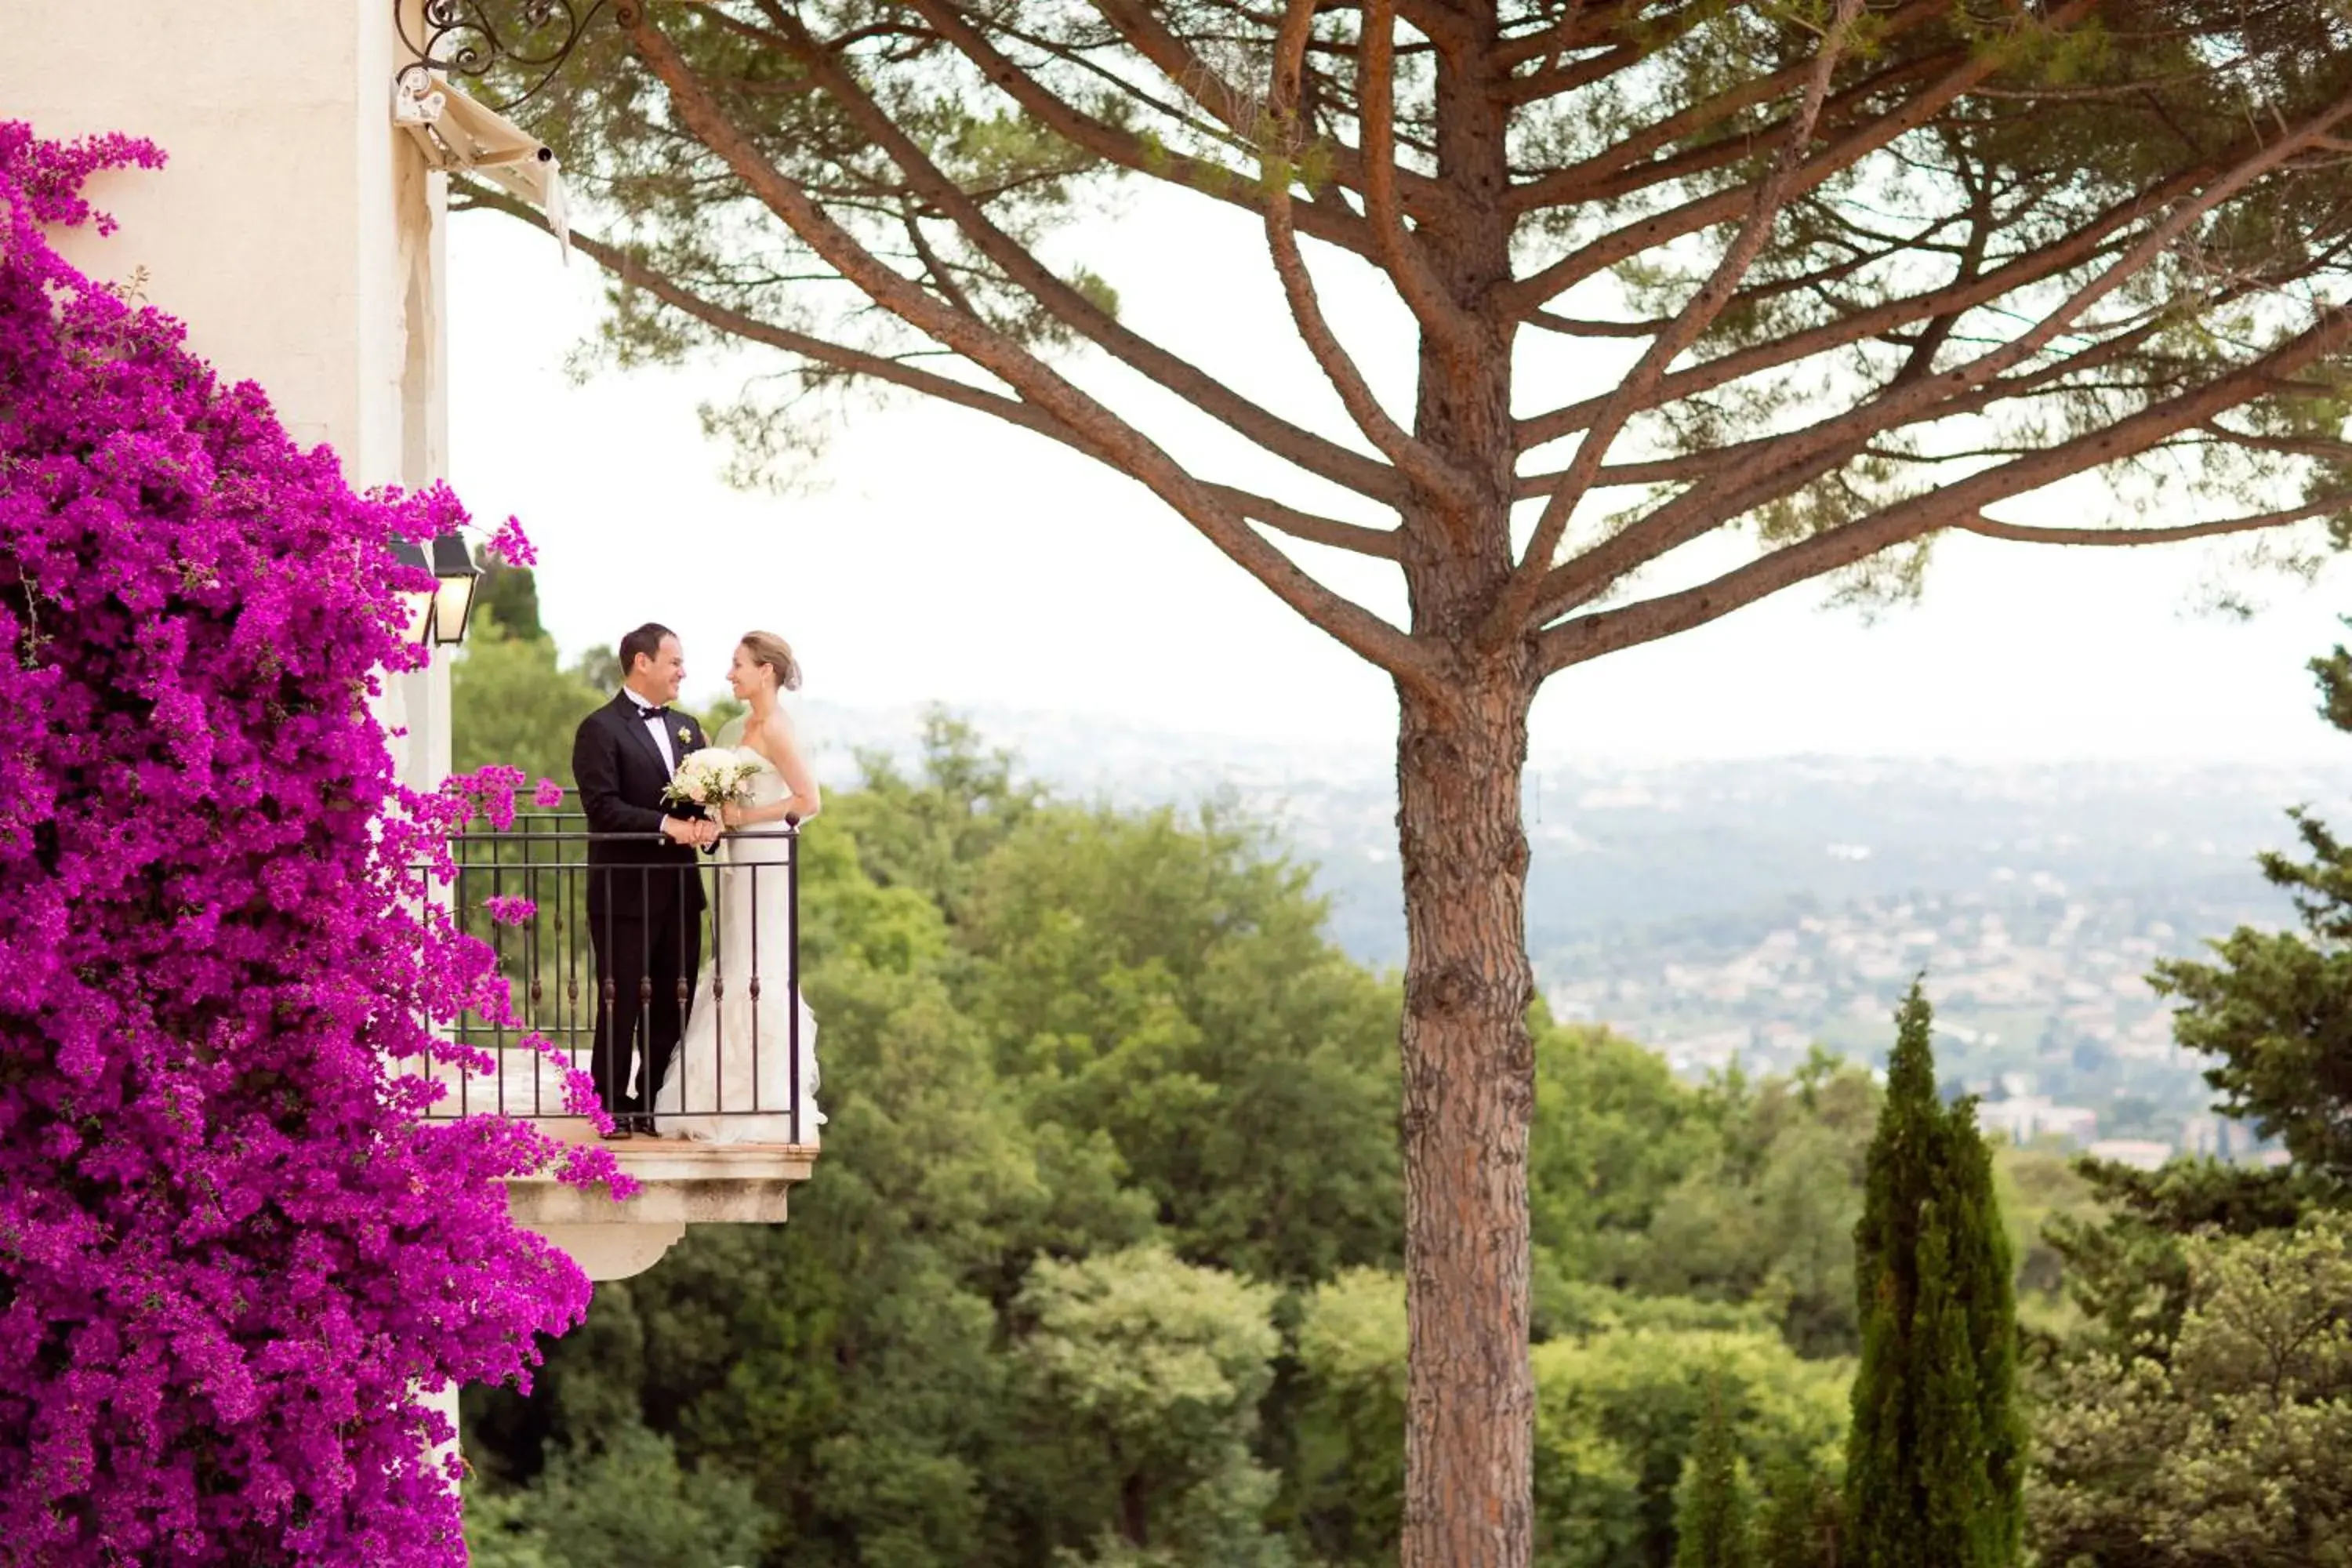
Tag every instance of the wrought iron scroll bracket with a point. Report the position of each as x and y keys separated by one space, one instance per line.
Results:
x=526 y=41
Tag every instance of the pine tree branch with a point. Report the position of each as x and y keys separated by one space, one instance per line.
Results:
x=1123 y=148
x=2327 y=448
x=1509 y=618
x=1798 y=457
x=1554 y=79
x=632 y=272
x=1421 y=463
x=1119 y=443
x=2080 y=245
x=1175 y=59
x=1238 y=109
x=1325 y=459
x=1629 y=165
x=935 y=269
x=1623 y=244
x=1814 y=449
x=1814 y=281
x=720 y=18
x=1588 y=636
x=2337 y=504
x=1584 y=26
x=1572 y=327
x=1448 y=325
x=1937 y=329
x=1743 y=478
x=1446 y=25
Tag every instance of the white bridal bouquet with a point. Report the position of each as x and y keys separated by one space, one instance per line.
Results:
x=712 y=777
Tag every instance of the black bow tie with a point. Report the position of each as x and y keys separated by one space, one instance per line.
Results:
x=653 y=712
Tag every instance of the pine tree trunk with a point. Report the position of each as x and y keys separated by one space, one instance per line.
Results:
x=1469 y=1088
x=1469 y=1064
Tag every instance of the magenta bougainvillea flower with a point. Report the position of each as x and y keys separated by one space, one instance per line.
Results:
x=233 y=1250
x=511 y=546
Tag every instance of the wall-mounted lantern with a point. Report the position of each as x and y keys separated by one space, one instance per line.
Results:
x=439 y=614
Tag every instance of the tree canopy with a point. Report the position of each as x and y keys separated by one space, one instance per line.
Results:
x=2225 y=1444
x=1864 y=271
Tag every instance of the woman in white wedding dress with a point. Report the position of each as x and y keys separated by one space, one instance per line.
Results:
x=736 y=1053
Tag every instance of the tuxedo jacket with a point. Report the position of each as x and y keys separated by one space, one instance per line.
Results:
x=620 y=776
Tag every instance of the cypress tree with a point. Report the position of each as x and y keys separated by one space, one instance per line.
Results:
x=1798 y=1525
x=511 y=596
x=1711 y=1522
x=1934 y=1459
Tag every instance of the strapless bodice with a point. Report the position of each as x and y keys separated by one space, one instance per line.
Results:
x=763 y=788
x=767 y=785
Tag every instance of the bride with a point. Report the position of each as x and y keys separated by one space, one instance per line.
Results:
x=736 y=1053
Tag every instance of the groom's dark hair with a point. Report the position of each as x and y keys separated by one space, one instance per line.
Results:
x=646 y=643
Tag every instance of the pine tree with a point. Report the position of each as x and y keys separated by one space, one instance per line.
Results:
x=2272 y=1015
x=2272 y=1011
x=1935 y=1460
x=1711 y=1521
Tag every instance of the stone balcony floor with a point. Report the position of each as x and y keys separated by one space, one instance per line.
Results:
x=680 y=1182
x=679 y=1179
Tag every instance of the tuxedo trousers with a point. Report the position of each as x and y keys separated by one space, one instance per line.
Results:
x=648 y=952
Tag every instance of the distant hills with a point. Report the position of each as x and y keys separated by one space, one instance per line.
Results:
x=1753 y=907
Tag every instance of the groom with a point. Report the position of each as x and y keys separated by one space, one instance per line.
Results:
x=645 y=892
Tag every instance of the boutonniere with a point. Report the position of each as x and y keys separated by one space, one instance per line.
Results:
x=683 y=732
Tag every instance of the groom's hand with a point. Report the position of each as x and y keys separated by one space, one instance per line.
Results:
x=706 y=834
x=681 y=831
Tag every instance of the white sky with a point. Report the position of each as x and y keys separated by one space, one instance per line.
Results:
x=940 y=555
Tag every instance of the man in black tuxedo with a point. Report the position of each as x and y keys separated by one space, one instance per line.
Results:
x=645 y=892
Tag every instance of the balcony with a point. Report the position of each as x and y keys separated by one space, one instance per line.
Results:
x=737 y=1132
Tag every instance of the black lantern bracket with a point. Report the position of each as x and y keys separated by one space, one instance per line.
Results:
x=471 y=38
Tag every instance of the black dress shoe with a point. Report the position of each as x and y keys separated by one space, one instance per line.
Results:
x=643 y=1125
x=620 y=1130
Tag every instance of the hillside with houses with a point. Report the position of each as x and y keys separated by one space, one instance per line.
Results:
x=1750 y=910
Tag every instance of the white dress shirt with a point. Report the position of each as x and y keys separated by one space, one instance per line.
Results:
x=659 y=729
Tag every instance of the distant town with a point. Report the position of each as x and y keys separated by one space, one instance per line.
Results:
x=2043 y=1010
x=1736 y=915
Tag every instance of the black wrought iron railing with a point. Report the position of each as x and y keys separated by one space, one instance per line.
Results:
x=692 y=1019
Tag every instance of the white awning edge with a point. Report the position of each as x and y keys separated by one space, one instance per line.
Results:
x=456 y=133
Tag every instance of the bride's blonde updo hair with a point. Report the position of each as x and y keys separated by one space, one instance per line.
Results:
x=768 y=649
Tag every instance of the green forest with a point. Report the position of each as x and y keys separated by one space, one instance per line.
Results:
x=1101 y=1261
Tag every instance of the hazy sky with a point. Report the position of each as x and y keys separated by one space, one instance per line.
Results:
x=940 y=555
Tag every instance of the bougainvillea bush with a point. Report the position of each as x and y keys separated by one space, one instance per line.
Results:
x=232 y=1253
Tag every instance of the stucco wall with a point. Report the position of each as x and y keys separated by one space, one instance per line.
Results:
x=294 y=230
x=275 y=232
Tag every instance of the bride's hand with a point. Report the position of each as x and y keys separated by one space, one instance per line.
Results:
x=730 y=815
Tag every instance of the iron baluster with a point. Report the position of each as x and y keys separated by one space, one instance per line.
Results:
x=719 y=887
x=792 y=965
x=752 y=865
